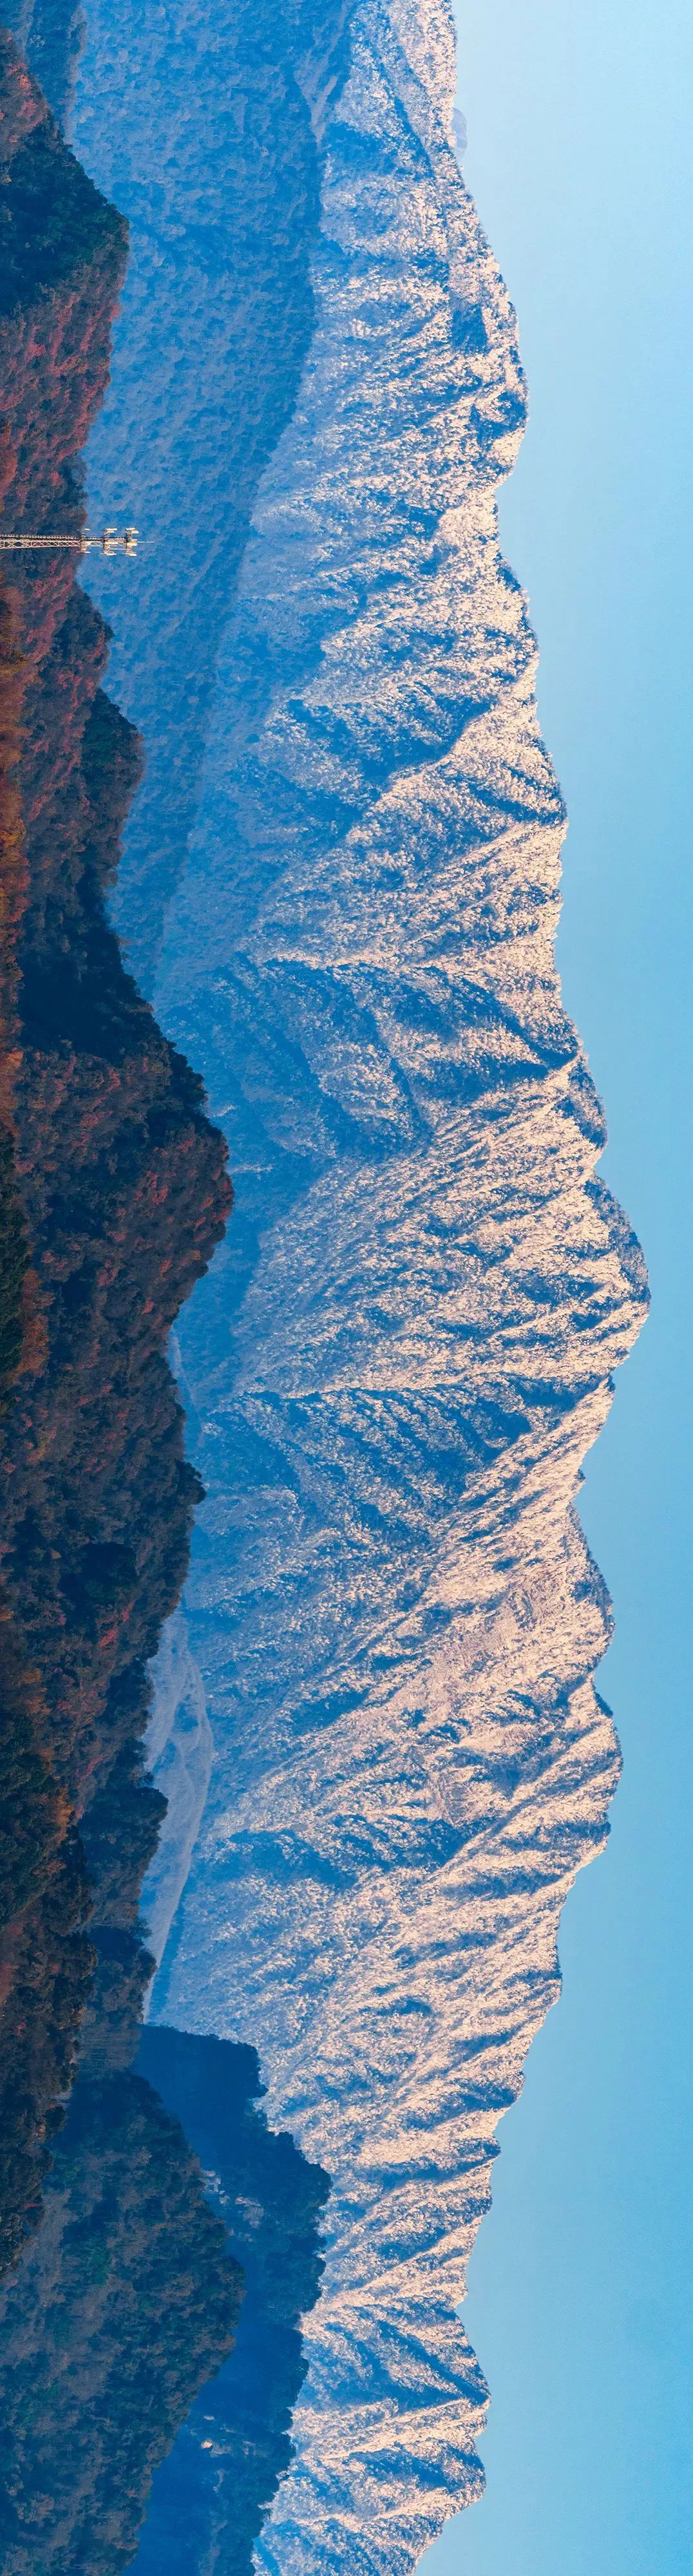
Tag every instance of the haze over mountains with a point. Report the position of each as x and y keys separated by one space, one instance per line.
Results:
x=217 y=317
x=122 y=1180
x=122 y=2280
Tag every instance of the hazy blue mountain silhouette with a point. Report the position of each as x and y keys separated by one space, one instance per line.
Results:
x=217 y=317
x=211 y=2494
x=124 y=1194
x=124 y=2288
x=123 y=2304
x=175 y=2221
x=50 y=35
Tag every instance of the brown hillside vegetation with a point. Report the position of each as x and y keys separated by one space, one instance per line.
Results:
x=113 y=1193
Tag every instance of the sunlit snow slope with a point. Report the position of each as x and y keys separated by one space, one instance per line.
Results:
x=405 y=1347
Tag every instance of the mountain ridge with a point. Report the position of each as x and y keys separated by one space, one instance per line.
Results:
x=407 y=1345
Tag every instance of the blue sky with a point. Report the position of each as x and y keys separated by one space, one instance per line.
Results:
x=581 y=2300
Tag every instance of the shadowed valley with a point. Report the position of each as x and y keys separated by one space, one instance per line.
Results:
x=123 y=2287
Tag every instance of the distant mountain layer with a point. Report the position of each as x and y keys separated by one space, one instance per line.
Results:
x=121 y=2286
x=113 y=1193
x=223 y=204
x=124 y=2303
x=211 y=2495
x=406 y=1345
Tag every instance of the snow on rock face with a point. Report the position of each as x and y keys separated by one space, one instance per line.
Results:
x=405 y=1348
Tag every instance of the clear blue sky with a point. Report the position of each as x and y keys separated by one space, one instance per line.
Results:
x=581 y=2304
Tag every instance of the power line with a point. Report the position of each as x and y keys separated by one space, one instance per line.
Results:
x=112 y=541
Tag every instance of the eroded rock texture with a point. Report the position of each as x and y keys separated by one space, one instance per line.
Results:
x=406 y=1345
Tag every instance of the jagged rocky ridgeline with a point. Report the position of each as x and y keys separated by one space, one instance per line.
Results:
x=407 y=1345
x=428 y=1286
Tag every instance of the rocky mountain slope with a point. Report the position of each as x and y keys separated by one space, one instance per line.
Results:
x=407 y=1344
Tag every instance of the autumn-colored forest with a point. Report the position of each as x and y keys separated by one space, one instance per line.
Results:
x=113 y=1194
